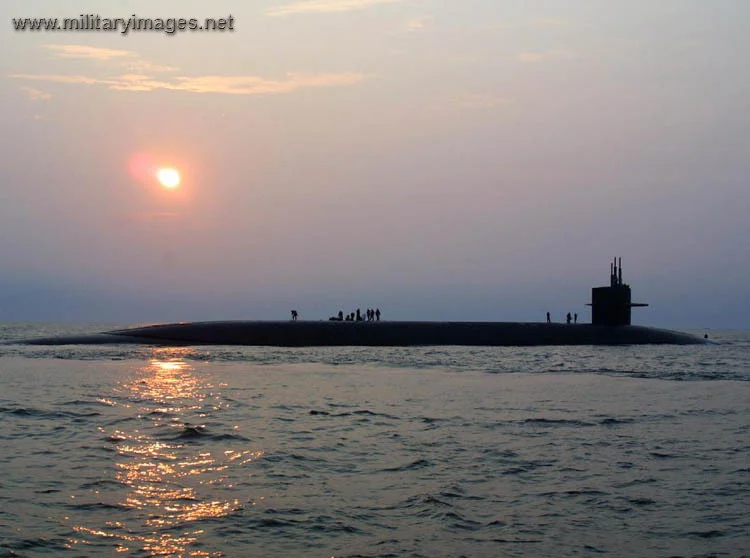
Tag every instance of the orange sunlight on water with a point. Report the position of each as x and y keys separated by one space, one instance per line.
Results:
x=166 y=478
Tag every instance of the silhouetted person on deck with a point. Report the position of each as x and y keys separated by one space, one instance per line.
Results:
x=377 y=314
x=549 y=318
x=568 y=318
x=359 y=315
x=341 y=316
x=294 y=315
x=575 y=318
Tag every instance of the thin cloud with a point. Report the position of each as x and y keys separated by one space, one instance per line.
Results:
x=418 y=23
x=254 y=85
x=86 y=52
x=134 y=82
x=141 y=75
x=58 y=78
x=128 y=59
x=545 y=55
x=228 y=85
x=141 y=66
x=37 y=94
x=325 y=6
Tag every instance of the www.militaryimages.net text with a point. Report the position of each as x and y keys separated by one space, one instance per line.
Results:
x=95 y=22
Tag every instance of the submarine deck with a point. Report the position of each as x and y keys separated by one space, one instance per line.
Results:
x=377 y=334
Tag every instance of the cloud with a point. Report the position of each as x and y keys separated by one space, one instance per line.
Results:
x=543 y=55
x=253 y=85
x=37 y=94
x=325 y=6
x=418 y=23
x=87 y=52
x=144 y=66
x=139 y=75
x=229 y=85
x=128 y=59
x=57 y=78
x=134 y=82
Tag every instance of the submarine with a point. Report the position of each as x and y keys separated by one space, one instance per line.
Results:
x=610 y=325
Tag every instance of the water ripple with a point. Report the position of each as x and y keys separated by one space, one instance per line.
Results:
x=233 y=452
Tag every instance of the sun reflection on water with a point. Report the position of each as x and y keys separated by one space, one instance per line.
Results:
x=171 y=469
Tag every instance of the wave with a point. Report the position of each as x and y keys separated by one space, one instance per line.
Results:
x=44 y=413
x=611 y=421
x=710 y=534
x=662 y=455
x=192 y=432
x=418 y=464
x=96 y=507
x=556 y=422
x=86 y=403
x=361 y=412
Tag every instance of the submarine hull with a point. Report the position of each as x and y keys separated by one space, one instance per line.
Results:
x=378 y=334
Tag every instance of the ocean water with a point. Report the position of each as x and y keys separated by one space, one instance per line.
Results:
x=432 y=451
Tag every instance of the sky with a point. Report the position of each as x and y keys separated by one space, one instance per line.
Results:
x=472 y=160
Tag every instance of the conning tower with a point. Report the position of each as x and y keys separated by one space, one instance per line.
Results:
x=611 y=305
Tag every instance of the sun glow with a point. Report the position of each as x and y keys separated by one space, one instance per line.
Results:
x=168 y=177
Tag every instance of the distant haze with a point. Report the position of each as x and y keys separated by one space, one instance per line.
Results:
x=483 y=159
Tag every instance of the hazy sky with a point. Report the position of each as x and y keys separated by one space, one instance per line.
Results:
x=440 y=159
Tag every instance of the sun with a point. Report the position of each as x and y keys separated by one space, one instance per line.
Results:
x=168 y=177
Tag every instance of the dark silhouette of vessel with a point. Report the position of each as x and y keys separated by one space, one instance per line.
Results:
x=610 y=325
x=611 y=306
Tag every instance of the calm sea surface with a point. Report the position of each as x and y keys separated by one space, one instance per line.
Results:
x=439 y=451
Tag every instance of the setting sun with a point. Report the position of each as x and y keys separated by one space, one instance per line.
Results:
x=168 y=177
